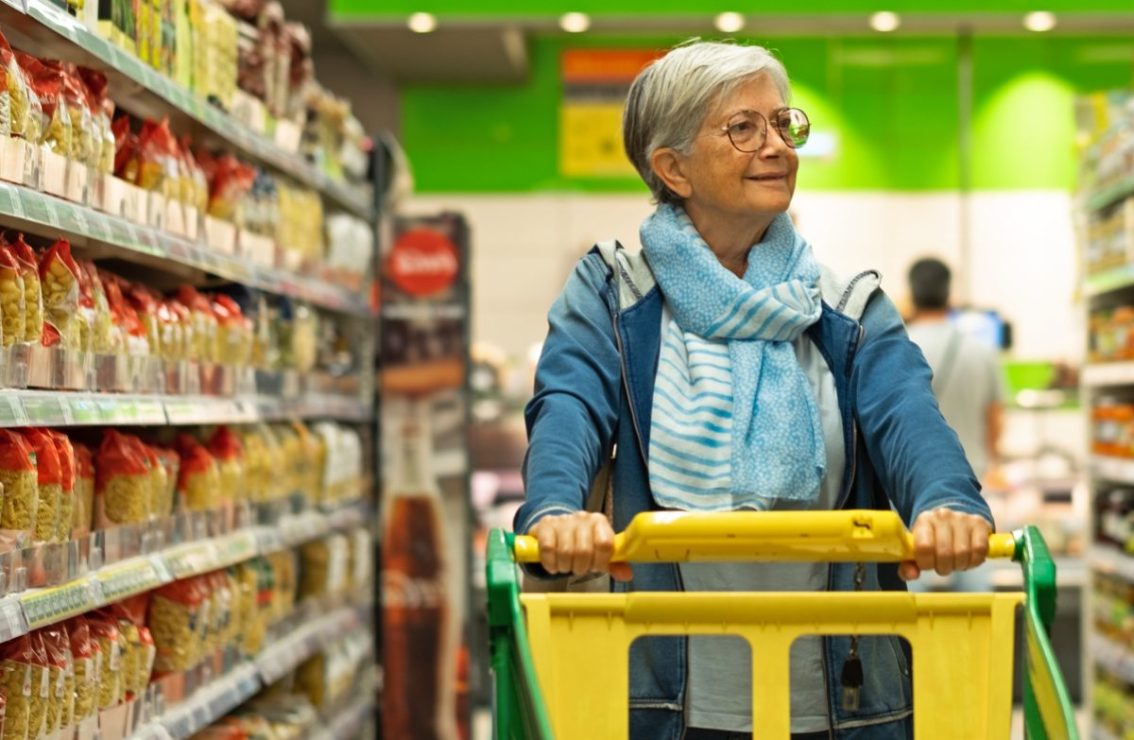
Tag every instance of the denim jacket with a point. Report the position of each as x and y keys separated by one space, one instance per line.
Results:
x=594 y=393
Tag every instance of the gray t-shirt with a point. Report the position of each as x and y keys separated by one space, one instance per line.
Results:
x=966 y=381
x=719 y=695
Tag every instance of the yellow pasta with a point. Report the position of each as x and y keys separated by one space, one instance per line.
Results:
x=20 y=498
x=126 y=499
x=86 y=687
x=46 y=511
x=12 y=308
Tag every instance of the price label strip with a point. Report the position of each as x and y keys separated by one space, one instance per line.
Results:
x=236 y=549
x=192 y=559
x=51 y=605
x=127 y=579
x=12 y=412
x=47 y=410
x=12 y=621
x=85 y=411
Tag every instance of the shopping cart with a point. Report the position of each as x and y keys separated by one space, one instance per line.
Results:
x=561 y=660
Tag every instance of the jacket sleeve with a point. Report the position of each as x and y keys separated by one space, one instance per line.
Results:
x=572 y=416
x=917 y=455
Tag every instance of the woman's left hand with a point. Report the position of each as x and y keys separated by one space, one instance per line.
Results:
x=945 y=541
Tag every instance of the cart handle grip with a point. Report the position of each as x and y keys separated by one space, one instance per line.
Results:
x=824 y=536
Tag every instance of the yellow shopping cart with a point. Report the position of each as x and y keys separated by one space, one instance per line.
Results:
x=546 y=647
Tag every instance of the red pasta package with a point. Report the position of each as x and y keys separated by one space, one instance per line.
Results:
x=102 y=108
x=83 y=510
x=122 y=482
x=47 y=83
x=145 y=303
x=59 y=275
x=50 y=480
x=124 y=315
x=198 y=482
x=68 y=470
x=229 y=184
x=20 y=479
x=86 y=657
x=228 y=450
x=22 y=683
x=178 y=620
x=105 y=339
x=127 y=164
x=25 y=116
x=61 y=691
x=205 y=328
x=33 y=293
x=104 y=631
x=235 y=338
x=12 y=311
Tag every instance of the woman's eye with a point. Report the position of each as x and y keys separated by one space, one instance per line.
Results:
x=741 y=128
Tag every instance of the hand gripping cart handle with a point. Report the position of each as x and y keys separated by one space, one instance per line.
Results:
x=561 y=660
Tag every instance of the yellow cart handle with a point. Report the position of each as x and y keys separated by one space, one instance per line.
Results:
x=825 y=536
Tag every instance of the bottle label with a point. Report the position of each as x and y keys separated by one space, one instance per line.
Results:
x=399 y=591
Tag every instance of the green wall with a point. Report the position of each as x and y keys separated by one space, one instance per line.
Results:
x=892 y=103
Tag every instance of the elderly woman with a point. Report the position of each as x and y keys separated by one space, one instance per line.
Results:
x=730 y=371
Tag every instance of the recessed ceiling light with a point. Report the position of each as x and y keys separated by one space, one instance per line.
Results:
x=885 y=21
x=1039 y=21
x=422 y=23
x=575 y=22
x=729 y=22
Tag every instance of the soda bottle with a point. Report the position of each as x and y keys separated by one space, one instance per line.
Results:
x=418 y=639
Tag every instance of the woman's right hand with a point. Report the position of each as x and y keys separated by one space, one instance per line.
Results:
x=578 y=544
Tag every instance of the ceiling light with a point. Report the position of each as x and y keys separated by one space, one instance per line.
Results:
x=422 y=23
x=1039 y=21
x=885 y=21
x=575 y=22
x=729 y=22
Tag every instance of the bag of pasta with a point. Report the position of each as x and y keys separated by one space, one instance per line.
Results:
x=205 y=329
x=226 y=448
x=105 y=337
x=158 y=159
x=198 y=483
x=68 y=469
x=124 y=315
x=23 y=686
x=257 y=465
x=20 y=481
x=83 y=511
x=178 y=620
x=59 y=276
x=50 y=481
x=173 y=333
x=86 y=658
x=104 y=631
x=171 y=463
x=33 y=294
x=229 y=185
x=122 y=481
x=159 y=485
x=47 y=83
x=127 y=159
x=145 y=303
x=58 y=645
x=197 y=182
x=12 y=310
x=25 y=115
x=251 y=616
x=102 y=110
x=85 y=140
x=84 y=320
x=235 y=332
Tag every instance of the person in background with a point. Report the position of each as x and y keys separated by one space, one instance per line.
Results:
x=966 y=374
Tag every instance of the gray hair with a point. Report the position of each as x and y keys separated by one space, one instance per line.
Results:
x=669 y=99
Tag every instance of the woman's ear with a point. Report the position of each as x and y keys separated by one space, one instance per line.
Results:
x=668 y=164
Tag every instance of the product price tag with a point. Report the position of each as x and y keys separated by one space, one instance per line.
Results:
x=10 y=201
x=161 y=568
x=51 y=605
x=97 y=227
x=85 y=411
x=122 y=233
x=191 y=559
x=127 y=579
x=150 y=412
x=12 y=412
x=12 y=622
x=236 y=548
x=47 y=410
x=35 y=207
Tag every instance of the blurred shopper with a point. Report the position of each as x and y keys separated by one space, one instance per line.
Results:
x=733 y=373
x=966 y=374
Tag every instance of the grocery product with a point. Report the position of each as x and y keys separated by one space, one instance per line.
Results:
x=47 y=84
x=41 y=704
x=123 y=482
x=75 y=96
x=102 y=110
x=59 y=277
x=20 y=482
x=50 y=482
x=21 y=112
x=12 y=309
x=67 y=474
x=104 y=631
x=124 y=316
x=21 y=690
x=198 y=484
x=227 y=450
x=84 y=490
x=61 y=691
x=178 y=620
x=86 y=656
x=204 y=324
x=235 y=332
x=33 y=293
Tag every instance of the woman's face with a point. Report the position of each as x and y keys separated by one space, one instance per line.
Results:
x=724 y=180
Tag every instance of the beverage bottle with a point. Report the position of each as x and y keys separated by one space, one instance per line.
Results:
x=418 y=637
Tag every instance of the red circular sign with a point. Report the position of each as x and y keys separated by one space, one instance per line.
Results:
x=423 y=262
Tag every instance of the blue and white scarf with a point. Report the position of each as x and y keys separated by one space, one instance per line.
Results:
x=735 y=422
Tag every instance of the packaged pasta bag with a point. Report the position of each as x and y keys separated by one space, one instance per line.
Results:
x=149 y=655
x=61 y=707
x=102 y=110
x=47 y=83
x=290 y=451
x=138 y=653
x=22 y=686
x=205 y=328
x=41 y=678
x=84 y=320
x=124 y=315
x=161 y=502
x=177 y=618
x=68 y=474
x=127 y=159
x=12 y=310
x=235 y=332
x=252 y=625
x=20 y=481
x=33 y=293
x=145 y=303
x=198 y=182
x=107 y=338
x=157 y=155
x=122 y=481
x=227 y=449
x=83 y=510
x=59 y=276
x=86 y=659
x=171 y=463
x=25 y=115
x=104 y=631
x=257 y=465
x=50 y=480
x=184 y=326
x=198 y=483
x=74 y=96
x=229 y=186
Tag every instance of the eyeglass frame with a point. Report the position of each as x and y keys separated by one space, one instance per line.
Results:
x=767 y=124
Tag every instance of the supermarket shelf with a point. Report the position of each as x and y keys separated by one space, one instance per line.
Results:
x=1106 y=559
x=146 y=92
x=348 y=721
x=36 y=212
x=1114 y=469
x=285 y=654
x=1109 y=281
x=19 y=408
x=1113 y=657
x=21 y=613
x=1110 y=195
x=1108 y=373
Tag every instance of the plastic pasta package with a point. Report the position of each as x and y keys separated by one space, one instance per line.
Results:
x=83 y=510
x=178 y=618
x=252 y=624
x=59 y=276
x=47 y=84
x=204 y=321
x=198 y=484
x=22 y=685
x=67 y=470
x=124 y=316
x=133 y=683
x=50 y=483
x=12 y=310
x=104 y=631
x=20 y=481
x=235 y=338
x=171 y=462
x=84 y=320
x=104 y=337
x=276 y=484
x=74 y=95
x=33 y=294
x=86 y=659
x=227 y=450
x=290 y=453
x=61 y=689
x=157 y=149
x=122 y=481
x=229 y=186
x=25 y=115
x=324 y=566
x=309 y=466
x=126 y=156
x=161 y=503
x=257 y=465
x=102 y=109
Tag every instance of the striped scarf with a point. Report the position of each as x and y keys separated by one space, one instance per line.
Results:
x=735 y=422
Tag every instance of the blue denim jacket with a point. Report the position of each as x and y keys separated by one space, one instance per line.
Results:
x=594 y=389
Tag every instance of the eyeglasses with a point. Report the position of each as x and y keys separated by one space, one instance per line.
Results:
x=748 y=130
